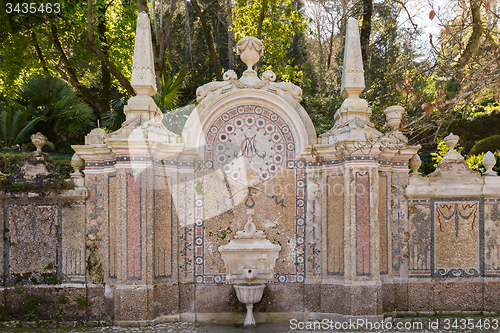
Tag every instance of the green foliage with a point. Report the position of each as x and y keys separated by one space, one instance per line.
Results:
x=427 y=165
x=114 y=119
x=472 y=130
x=32 y=307
x=486 y=107
x=491 y=143
x=168 y=98
x=475 y=162
x=57 y=104
x=81 y=302
x=62 y=299
x=175 y=120
x=321 y=110
x=281 y=22
x=49 y=105
x=16 y=126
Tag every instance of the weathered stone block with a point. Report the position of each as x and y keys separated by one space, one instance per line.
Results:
x=333 y=298
x=132 y=303
x=459 y=296
x=420 y=296
x=166 y=300
x=312 y=297
x=186 y=298
x=365 y=300
x=401 y=296
x=491 y=296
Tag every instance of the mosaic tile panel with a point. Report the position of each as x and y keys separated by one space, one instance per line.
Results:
x=134 y=246
x=399 y=219
x=199 y=218
x=74 y=264
x=335 y=224
x=96 y=210
x=73 y=242
x=457 y=247
x=163 y=229
x=185 y=214
x=419 y=245
x=112 y=224
x=245 y=138
x=383 y=223
x=492 y=238
x=33 y=239
x=249 y=137
x=362 y=223
x=313 y=264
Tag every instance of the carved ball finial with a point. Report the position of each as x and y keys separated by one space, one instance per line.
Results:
x=415 y=163
x=451 y=141
x=250 y=49
x=77 y=163
x=489 y=162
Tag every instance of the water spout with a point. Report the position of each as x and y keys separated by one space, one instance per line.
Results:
x=249 y=274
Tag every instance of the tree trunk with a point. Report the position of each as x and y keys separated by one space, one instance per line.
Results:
x=366 y=28
x=142 y=5
x=208 y=37
x=39 y=53
x=475 y=37
x=230 y=34
x=164 y=38
x=262 y=16
x=216 y=25
x=190 y=48
x=124 y=82
x=70 y=71
x=105 y=73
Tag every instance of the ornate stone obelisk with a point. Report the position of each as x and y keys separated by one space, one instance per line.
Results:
x=352 y=120
x=141 y=110
x=358 y=240
x=131 y=191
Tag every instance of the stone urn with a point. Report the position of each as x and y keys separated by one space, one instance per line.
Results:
x=250 y=49
x=451 y=141
x=393 y=115
x=39 y=141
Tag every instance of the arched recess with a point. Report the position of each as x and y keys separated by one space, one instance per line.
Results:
x=195 y=129
x=223 y=201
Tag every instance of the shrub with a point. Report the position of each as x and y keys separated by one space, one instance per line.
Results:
x=476 y=162
x=491 y=143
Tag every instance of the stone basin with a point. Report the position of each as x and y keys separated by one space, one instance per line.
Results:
x=249 y=294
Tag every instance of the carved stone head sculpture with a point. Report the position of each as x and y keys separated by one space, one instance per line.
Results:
x=250 y=49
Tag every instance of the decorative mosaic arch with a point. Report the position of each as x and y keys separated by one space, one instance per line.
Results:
x=249 y=130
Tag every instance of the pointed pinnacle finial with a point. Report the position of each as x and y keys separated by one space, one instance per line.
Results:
x=143 y=68
x=353 y=79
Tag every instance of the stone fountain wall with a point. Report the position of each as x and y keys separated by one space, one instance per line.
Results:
x=359 y=235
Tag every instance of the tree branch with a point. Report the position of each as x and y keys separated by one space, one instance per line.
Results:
x=70 y=71
x=208 y=37
x=477 y=31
